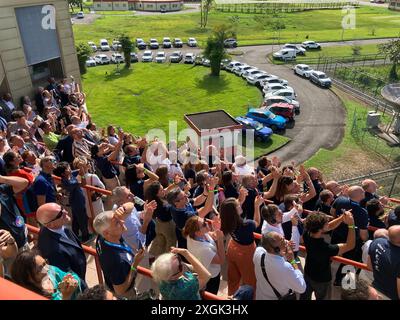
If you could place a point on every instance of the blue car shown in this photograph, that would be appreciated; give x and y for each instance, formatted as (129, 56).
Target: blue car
(261, 133)
(267, 118)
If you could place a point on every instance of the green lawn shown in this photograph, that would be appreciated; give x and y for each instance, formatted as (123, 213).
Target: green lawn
(318, 25)
(150, 95)
(357, 153)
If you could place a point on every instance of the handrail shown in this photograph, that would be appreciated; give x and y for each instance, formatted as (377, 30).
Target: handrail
(16, 292)
(394, 200)
(146, 272)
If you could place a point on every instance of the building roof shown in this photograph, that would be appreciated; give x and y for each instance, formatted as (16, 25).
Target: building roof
(218, 119)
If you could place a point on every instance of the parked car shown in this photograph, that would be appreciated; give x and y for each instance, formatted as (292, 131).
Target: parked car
(192, 42)
(147, 56)
(166, 42)
(240, 69)
(189, 58)
(140, 44)
(80, 15)
(267, 118)
(104, 46)
(321, 79)
(257, 78)
(160, 57)
(269, 100)
(251, 72)
(90, 62)
(272, 87)
(285, 54)
(232, 65)
(302, 70)
(176, 56)
(134, 57)
(163, 10)
(224, 63)
(117, 58)
(299, 49)
(288, 93)
(273, 79)
(178, 43)
(311, 45)
(230, 43)
(261, 133)
(102, 59)
(285, 110)
(199, 60)
(153, 44)
(116, 45)
(206, 63)
(92, 45)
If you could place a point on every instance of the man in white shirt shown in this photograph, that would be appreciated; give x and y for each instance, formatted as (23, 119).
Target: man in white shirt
(280, 268)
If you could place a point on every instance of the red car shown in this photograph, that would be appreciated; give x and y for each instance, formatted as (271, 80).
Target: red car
(282, 109)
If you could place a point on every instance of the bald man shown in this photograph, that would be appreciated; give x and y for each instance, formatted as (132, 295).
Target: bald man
(384, 260)
(59, 245)
(339, 235)
(370, 187)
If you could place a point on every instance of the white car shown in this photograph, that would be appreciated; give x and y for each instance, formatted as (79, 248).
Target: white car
(311, 45)
(147, 56)
(299, 50)
(189, 58)
(285, 54)
(302, 70)
(90, 62)
(160, 57)
(192, 42)
(104, 46)
(233, 65)
(257, 78)
(239, 69)
(116, 45)
(117, 58)
(92, 45)
(166, 42)
(102, 59)
(153, 44)
(251, 72)
(273, 79)
(273, 87)
(287, 93)
(80, 15)
(270, 100)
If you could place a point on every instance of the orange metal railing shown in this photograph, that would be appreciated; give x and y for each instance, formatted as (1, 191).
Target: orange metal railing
(11, 291)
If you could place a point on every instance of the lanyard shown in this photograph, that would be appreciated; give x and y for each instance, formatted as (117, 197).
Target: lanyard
(120, 246)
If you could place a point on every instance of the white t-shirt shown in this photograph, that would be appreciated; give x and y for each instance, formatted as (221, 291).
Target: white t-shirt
(366, 275)
(205, 251)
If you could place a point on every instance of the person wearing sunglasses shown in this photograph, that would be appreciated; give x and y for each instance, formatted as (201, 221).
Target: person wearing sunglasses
(58, 244)
(175, 280)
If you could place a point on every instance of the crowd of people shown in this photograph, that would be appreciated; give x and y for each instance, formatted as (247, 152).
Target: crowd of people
(190, 216)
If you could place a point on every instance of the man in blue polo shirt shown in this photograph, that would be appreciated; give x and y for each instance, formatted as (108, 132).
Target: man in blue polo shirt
(118, 261)
(339, 235)
(43, 186)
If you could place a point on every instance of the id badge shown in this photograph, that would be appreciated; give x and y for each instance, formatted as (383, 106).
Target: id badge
(19, 222)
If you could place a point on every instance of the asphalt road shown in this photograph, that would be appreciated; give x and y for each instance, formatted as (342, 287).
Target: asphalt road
(322, 118)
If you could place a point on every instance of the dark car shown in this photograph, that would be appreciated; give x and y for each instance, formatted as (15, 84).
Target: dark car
(177, 43)
(163, 10)
(140, 44)
(282, 109)
(134, 57)
(261, 133)
(321, 79)
(230, 43)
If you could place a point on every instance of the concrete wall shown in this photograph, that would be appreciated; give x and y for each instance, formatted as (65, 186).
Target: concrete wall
(12, 53)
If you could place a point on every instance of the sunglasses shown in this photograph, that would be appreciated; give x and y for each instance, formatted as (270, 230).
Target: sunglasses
(58, 216)
(180, 266)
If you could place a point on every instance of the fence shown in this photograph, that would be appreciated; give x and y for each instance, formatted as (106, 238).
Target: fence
(256, 7)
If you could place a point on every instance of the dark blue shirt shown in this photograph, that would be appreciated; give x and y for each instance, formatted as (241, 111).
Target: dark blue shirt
(10, 217)
(64, 149)
(163, 212)
(385, 259)
(180, 216)
(115, 261)
(76, 196)
(339, 235)
(44, 186)
(244, 234)
(231, 192)
(106, 168)
(368, 196)
(393, 220)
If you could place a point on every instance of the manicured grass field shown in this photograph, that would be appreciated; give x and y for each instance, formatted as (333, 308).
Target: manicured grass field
(150, 95)
(318, 25)
(356, 154)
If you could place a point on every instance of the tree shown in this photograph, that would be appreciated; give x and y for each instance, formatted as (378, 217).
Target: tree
(126, 47)
(75, 3)
(205, 7)
(83, 52)
(215, 50)
(356, 49)
(392, 50)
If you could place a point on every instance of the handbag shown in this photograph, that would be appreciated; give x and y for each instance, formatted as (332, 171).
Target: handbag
(289, 296)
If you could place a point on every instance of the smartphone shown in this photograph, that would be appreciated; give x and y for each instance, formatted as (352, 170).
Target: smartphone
(138, 201)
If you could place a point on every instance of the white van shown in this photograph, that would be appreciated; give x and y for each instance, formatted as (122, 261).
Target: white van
(285, 54)
(104, 46)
